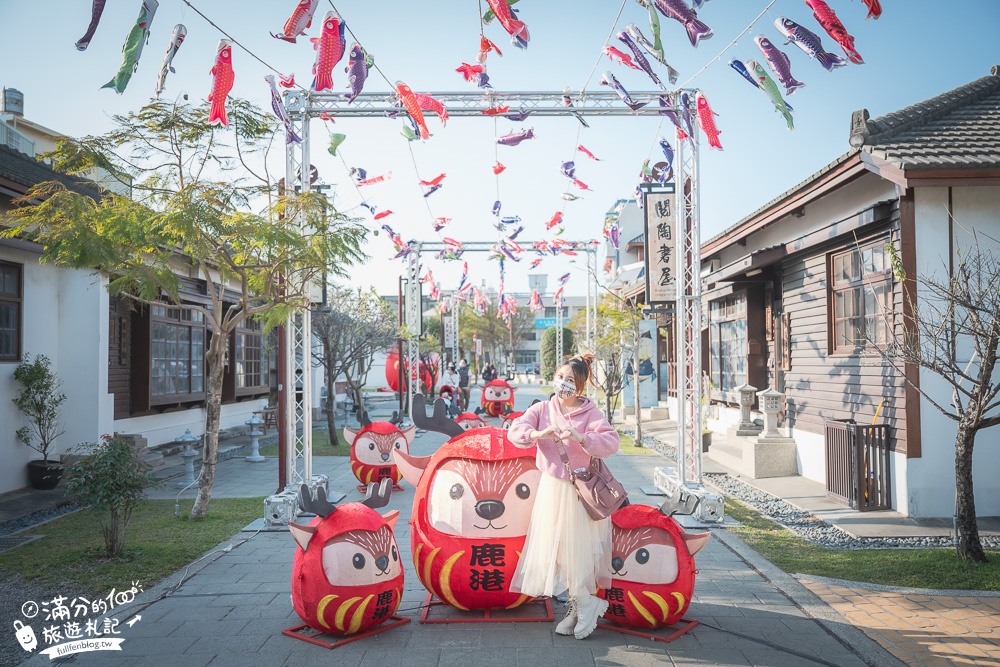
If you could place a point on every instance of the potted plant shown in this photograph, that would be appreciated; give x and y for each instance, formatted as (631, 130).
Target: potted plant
(40, 399)
(706, 433)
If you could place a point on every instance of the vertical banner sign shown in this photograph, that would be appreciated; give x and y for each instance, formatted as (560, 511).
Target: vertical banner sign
(479, 347)
(661, 232)
(643, 367)
(449, 330)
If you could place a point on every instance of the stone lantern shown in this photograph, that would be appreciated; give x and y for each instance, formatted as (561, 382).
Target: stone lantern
(254, 423)
(188, 440)
(747, 426)
(771, 404)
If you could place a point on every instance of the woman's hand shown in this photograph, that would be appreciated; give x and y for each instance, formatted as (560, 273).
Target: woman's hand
(548, 431)
(570, 433)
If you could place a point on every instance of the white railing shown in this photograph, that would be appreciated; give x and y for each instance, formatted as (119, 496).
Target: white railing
(15, 140)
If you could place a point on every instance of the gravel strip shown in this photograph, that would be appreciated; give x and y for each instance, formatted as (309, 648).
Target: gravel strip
(804, 524)
(35, 518)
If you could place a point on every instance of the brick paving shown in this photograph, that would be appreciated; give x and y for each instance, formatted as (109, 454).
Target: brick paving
(923, 628)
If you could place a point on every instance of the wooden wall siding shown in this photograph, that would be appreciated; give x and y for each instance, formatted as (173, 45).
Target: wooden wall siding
(120, 356)
(820, 386)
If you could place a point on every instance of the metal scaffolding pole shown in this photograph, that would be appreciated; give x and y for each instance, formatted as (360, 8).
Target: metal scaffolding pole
(298, 329)
(303, 105)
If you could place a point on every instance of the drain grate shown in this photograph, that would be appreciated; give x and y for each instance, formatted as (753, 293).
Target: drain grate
(13, 541)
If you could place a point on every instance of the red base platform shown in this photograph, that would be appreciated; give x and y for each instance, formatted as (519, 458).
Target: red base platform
(473, 616)
(296, 632)
(674, 630)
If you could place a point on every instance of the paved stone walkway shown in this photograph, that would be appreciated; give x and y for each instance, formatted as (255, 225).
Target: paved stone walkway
(921, 627)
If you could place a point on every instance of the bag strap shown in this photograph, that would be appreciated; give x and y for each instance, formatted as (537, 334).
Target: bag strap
(560, 446)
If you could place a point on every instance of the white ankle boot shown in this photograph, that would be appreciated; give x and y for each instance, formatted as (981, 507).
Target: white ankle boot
(567, 625)
(588, 610)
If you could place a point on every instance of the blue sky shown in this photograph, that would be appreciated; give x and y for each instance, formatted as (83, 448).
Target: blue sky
(918, 49)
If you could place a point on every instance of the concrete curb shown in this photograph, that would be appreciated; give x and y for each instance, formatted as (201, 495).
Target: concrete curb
(856, 640)
(906, 590)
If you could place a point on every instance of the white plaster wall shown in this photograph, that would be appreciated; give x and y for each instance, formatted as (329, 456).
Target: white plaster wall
(82, 329)
(40, 317)
(930, 489)
(811, 453)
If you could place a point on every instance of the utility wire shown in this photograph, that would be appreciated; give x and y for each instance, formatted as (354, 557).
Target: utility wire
(237, 42)
(728, 46)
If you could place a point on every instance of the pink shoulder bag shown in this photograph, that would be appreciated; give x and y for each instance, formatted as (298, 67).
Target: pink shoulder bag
(599, 491)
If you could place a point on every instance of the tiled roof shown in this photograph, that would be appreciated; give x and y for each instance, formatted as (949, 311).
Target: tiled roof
(959, 129)
(25, 170)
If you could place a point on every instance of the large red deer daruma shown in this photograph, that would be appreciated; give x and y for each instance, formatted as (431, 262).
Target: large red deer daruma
(372, 447)
(497, 398)
(653, 569)
(347, 573)
(471, 509)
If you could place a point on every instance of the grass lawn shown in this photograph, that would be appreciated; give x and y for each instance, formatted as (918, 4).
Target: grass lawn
(627, 446)
(321, 446)
(919, 568)
(71, 555)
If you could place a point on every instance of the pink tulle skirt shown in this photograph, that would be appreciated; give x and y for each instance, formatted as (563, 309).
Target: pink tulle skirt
(565, 549)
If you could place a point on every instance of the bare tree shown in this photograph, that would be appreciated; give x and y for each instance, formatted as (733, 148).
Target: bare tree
(954, 332)
(350, 329)
(611, 353)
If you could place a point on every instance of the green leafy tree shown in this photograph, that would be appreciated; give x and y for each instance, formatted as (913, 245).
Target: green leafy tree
(613, 346)
(203, 204)
(112, 480)
(549, 361)
(499, 338)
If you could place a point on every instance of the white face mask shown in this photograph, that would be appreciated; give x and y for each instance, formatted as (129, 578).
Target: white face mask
(563, 388)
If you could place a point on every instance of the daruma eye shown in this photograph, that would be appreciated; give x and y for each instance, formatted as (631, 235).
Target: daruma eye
(358, 561)
(394, 556)
(456, 491)
(642, 556)
(371, 446)
(523, 491)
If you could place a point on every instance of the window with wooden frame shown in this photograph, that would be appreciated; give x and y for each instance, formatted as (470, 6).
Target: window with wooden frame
(11, 284)
(860, 298)
(728, 341)
(250, 356)
(177, 355)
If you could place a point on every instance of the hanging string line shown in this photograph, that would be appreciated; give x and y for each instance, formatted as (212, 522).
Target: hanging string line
(728, 46)
(236, 41)
(350, 32)
(607, 39)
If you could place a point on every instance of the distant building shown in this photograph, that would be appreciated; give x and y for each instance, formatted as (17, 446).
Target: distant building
(32, 139)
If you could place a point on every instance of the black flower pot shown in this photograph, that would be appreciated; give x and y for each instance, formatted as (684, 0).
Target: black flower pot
(44, 476)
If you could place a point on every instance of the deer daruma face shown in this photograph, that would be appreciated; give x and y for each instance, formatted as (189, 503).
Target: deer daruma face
(483, 498)
(360, 558)
(376, 448)
(644, 555)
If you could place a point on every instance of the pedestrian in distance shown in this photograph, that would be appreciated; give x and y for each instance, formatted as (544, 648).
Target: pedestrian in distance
(451, 379)
(463, 384)
(565, 549)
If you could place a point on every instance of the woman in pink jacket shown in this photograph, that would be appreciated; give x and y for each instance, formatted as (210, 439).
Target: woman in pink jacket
(565, 549)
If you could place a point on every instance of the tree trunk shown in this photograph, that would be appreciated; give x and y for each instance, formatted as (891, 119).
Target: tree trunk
(213, 410)
(635, 381)
(331, 403)
(969, 545)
